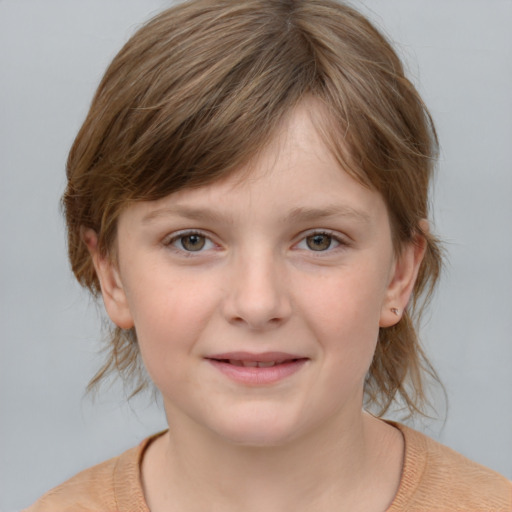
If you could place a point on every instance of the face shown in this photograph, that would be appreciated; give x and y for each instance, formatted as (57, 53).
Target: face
(257, 300)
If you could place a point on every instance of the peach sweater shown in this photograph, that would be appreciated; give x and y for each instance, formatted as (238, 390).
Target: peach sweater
(434, 478)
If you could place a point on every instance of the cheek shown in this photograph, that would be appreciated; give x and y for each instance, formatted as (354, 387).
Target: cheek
(170, 315)
(343, 312)
(170, 298)
(345, 299)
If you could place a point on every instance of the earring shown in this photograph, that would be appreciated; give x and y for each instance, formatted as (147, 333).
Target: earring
(395, 311)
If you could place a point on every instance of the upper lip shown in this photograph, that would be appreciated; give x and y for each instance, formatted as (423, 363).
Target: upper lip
(263, 357)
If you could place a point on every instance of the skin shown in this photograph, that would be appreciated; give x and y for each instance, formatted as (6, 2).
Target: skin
(297, 258)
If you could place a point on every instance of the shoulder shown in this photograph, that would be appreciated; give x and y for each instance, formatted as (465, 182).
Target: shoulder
(92, 489)
(111, 486)
(436, 477)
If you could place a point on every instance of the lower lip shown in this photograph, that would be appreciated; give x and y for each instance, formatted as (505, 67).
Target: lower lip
(256, 376)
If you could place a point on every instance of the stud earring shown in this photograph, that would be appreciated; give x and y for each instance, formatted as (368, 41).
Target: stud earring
(395, 311)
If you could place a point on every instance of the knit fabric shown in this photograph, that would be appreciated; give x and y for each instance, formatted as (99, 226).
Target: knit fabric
(434, 479)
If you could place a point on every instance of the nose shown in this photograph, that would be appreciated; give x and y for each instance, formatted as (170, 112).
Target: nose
(257, 295)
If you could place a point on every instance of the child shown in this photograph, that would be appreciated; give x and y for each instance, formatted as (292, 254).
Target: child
(249, 194)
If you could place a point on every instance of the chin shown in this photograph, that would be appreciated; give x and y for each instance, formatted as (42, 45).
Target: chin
(258, 431)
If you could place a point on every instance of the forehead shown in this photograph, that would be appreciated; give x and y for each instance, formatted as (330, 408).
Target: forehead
(295, 175)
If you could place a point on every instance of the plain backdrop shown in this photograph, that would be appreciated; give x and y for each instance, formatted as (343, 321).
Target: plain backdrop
(52, 55)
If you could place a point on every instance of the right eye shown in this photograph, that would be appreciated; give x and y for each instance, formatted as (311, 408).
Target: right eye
(190, 242)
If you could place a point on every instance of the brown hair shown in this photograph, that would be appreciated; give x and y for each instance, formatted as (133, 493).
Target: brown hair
(203, 86)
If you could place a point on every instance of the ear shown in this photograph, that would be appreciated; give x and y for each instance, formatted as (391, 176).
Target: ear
(114, 296)
(403, 277)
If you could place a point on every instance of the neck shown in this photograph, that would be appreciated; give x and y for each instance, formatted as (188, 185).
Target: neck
(190, 470)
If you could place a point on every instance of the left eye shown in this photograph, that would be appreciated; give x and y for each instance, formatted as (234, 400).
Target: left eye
(319, 242)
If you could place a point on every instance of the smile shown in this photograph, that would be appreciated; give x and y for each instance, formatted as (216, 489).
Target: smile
(257, 369)
(254, 364)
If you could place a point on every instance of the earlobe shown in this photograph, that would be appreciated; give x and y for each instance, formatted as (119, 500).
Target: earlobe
(112, 291)
(403, 278)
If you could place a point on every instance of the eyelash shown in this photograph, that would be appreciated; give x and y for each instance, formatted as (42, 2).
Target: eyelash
(333, 237)
(170, 242)
(340, 242)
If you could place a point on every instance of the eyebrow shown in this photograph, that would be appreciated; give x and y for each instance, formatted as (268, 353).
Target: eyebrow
(199, 214)
(304, 214)
(300, 214)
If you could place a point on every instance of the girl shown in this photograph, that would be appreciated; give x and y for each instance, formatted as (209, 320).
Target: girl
(249, 194)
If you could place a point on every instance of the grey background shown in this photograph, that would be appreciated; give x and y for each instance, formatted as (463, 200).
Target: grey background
(52, 55)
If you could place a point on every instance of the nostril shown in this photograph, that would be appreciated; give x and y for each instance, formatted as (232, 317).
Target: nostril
(256, 302)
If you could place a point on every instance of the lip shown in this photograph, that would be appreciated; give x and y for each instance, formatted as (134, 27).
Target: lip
(264, 357)
(288, 365)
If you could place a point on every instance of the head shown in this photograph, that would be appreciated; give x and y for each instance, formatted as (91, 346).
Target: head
(200, 91)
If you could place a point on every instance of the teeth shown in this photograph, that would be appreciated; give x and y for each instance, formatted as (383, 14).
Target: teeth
(253, 364)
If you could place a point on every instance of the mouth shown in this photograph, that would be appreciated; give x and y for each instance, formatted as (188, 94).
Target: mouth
(256, 364)
(257, 369)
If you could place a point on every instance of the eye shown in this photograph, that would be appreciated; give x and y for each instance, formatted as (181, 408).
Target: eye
(319, 242)
(190, 242)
